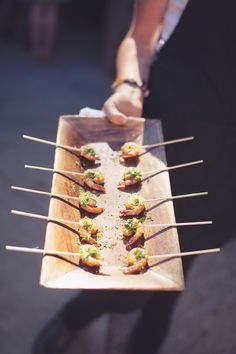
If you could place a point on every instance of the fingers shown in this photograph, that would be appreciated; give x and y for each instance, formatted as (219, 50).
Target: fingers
(114, 115)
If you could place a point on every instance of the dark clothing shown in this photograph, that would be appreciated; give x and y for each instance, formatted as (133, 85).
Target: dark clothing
(195, 74)
(192, 92)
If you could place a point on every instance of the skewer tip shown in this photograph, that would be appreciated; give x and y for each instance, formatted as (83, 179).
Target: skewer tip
(14, 187)
(208, 222)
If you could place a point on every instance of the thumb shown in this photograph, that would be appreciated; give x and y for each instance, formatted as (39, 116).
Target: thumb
(114, 115)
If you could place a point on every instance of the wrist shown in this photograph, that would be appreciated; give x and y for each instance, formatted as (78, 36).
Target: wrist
(132, 93)
(132, 83)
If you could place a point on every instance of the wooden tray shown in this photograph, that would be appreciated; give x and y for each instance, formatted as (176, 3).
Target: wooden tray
(58, 272)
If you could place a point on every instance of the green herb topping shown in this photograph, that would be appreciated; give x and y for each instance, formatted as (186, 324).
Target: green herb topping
(90, 174)
(133, 172)
(87, 224)
(139, 254)
(130, 145)
(136, 201)
(94, 253)
(86, 198)
(142, 219)
(131, 224)
(89, 151)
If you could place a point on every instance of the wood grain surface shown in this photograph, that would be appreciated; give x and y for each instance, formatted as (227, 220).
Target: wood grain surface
(64, 272)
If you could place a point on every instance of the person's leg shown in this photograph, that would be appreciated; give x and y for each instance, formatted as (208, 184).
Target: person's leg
(153, 324)
(89, 305)
(86, 307)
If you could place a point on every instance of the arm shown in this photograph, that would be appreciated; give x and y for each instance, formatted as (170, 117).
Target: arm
(134, 59)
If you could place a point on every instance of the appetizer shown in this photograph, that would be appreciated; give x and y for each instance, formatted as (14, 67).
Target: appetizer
(90, 255)
(129, 150)
(88, 153)
(88, 229)
(137, 261)
(131, 176)
(95, 180)
(134, 206)
(133, 228)
(89, 203)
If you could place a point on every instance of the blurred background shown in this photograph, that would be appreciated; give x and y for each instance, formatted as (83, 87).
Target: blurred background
(69, 67)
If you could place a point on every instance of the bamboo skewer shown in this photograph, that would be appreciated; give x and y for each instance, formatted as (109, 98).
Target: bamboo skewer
(44, 193)
(167, 142)
(170, 255)
(176, 197)
(77, 198)
(192, 223)
(82, 174)
(48, 218)
(77, 149)
(39, 250)
(53, 170)
(174, 167)
(40, 168)
(51, 143)
(43, 217)
(183, 254)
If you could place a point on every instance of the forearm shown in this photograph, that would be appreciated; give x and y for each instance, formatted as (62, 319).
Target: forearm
(138, 48)
(133, 60)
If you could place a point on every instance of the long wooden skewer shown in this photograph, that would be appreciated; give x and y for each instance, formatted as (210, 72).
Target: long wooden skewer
(167, 142)
(77, 149)
(48, 218)
(192, 223)
(176, 197)
(53, 170)
(82, 174)
(43, 217)
(51, 143)
(170, 255)
(40, 250)
(44, 193)
(183, 254)
(77, 198)
(174, 167)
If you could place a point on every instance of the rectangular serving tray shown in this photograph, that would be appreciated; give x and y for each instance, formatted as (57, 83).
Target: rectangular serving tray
(64, 272)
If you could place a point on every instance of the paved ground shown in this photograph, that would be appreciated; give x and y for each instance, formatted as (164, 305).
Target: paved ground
(32, 97)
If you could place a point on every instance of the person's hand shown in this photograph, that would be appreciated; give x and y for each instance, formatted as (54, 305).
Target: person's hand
(126, 102)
